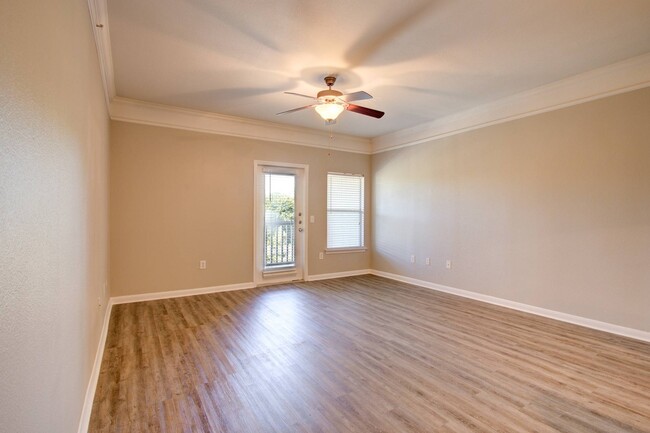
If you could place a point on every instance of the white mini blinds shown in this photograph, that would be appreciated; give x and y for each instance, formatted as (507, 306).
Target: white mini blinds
(345, 211)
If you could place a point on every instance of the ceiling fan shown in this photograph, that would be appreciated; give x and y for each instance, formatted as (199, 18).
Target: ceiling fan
(330, 103)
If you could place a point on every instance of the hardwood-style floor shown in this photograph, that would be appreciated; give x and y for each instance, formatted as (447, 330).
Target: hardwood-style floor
(362, 354)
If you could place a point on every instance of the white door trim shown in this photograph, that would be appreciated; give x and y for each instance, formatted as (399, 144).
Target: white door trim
(257, 238)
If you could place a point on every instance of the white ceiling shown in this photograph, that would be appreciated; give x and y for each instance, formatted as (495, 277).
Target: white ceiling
(421, 60)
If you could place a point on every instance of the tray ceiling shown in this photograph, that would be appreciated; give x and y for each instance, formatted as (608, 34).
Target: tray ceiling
(421, 60)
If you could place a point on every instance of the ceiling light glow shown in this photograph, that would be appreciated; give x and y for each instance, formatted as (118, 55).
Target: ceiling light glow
(329, 111)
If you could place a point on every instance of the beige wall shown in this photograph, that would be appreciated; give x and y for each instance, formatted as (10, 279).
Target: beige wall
(53, 213)
(178, 197)
(551, 210)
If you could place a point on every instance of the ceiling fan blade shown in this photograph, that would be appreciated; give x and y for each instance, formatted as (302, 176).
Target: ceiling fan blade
(356, 96)
(300, 94)
(366, 111)
(296, 109)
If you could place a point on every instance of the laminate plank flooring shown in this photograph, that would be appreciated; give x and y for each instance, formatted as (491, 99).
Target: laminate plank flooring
(362, 354)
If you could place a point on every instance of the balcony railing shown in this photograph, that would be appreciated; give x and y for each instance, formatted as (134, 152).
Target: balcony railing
(279, 243)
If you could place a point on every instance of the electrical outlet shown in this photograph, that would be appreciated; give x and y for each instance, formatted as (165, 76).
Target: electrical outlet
(448, 264)
(412, 258)
(203, 264)
(312, 219)
(427, 260)
(321, 255)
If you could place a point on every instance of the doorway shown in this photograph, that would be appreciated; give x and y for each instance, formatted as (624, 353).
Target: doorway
(280, 222)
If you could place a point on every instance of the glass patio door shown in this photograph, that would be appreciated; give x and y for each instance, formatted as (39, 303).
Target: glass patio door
(280, 223)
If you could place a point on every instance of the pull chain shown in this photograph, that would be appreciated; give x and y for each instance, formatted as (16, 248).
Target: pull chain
(331, 139)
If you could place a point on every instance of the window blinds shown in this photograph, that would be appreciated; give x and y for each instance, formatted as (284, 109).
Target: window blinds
(345, 208)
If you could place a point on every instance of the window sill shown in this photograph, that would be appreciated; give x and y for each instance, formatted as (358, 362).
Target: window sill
(345, 250)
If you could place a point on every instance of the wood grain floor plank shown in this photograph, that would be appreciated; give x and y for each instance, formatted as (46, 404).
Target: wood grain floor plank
(362, 354)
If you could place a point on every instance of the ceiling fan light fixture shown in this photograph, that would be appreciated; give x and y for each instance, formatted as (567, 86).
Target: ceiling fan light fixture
(329, 111)
(330, 103)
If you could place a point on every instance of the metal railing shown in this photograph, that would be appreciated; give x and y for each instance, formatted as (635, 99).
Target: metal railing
(279, 243)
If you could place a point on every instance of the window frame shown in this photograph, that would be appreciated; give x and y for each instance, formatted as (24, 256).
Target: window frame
(361, 211)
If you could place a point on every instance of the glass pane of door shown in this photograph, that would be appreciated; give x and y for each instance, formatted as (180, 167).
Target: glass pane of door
(279, 220)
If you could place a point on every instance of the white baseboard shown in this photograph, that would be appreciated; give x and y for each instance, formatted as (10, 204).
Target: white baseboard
(319, 277)
(94, 375)
(563, 317)
(87, 408)
(180, 293)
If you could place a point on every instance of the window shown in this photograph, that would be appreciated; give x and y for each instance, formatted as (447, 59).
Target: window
(279, 220)
(344, 211)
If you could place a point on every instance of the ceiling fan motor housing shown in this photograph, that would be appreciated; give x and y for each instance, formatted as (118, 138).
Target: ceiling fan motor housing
(328, 95)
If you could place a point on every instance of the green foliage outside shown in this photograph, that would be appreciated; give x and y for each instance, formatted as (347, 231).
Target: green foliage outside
(279, 240)
(282, 206)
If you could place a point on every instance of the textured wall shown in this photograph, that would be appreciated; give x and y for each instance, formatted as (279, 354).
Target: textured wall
(551, 210)
(178, 197)
(53, 212)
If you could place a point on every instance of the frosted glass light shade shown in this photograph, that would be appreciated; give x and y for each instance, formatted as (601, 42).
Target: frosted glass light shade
(329, 111)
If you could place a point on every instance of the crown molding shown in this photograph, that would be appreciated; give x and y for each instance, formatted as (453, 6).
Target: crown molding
(99, 19)
(625, 76)
(130, 110)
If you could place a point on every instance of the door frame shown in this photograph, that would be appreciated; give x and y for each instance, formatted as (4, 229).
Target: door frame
(258, 242)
